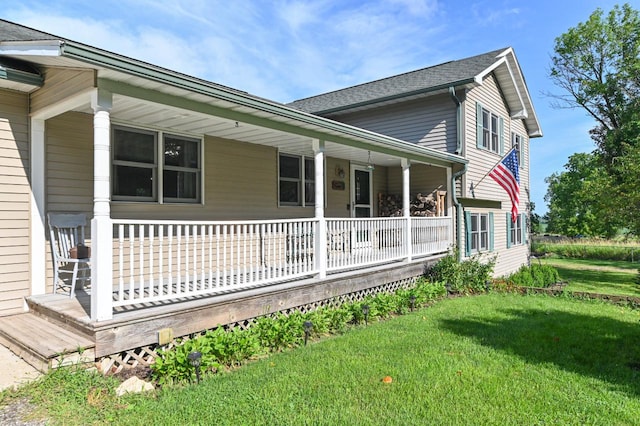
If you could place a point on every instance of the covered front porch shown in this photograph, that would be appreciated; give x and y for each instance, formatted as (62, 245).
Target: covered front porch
(233, 213)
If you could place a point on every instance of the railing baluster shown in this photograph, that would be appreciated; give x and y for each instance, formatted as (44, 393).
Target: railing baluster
(121, 262)
(170, 254)
(151, 263)
(160, 260)
(131, 262)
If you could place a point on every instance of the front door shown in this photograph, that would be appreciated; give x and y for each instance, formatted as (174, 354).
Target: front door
(361, 206)
(361, 191)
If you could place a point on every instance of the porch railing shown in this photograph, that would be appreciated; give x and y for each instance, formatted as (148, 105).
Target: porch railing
(162, 260)
(431, 235)
(354, 243)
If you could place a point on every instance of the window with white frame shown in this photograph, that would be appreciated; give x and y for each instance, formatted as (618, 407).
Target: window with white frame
(155, 166)
(489, 128)
(516, 231)
(517, 141)
(479, 232)
(296, 185)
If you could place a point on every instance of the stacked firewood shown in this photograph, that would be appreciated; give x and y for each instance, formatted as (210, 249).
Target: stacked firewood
(390, 205)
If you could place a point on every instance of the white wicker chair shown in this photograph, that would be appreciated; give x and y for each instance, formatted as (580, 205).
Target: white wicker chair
(70, 256)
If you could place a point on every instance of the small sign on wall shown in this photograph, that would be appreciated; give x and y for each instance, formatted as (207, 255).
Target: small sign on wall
(337, 185)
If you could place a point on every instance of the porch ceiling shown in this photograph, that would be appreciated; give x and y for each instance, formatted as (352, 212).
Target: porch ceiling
(142, 113)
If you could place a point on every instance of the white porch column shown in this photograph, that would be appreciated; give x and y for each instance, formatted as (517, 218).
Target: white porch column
(101, 227)
(38, 241)
(406, 211)
(321, 236)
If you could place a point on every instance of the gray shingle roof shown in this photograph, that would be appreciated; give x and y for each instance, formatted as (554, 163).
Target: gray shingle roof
(15, 32)
(423, 80)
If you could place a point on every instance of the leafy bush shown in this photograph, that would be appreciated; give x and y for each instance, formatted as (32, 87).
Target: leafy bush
(534, 276)
(467, 276)
(172, 365)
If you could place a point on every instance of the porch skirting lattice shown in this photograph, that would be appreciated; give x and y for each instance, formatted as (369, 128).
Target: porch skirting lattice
(145, 355)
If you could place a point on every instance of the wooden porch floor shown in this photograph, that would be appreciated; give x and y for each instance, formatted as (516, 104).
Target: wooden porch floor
(57, 324)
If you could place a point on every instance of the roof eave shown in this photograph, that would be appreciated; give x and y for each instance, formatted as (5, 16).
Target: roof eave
(32, 48)
(99, 57)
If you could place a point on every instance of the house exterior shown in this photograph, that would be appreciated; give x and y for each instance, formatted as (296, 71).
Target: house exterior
(205, 202)
(478, 108)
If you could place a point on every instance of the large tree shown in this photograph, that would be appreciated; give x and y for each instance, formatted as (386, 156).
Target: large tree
(597, 64)
(578, 199)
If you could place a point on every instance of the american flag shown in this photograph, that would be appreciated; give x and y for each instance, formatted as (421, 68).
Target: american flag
(506, 174)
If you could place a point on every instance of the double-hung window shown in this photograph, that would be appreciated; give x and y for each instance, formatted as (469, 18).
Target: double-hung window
(489, 130)
(155, 166)
(516, 231)
(296, 185)
(479, 232)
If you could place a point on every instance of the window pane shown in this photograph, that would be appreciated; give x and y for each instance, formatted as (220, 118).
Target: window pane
(362, 192)
(182, 185)
(133, 181)
(133, 146)
(309, 169)
(289, 192)
(484, 240)
(309, 193)
(484, 219)
(181, 152)
(289, 167)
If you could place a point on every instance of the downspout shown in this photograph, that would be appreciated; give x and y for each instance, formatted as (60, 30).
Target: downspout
(454, 197)
(452, 92)
(458, 207)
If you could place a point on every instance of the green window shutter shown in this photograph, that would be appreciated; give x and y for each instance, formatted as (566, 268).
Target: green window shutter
(491, 231)
(525, 228)
(508, 230)
(467, 233)
(501, 134)
(478, 125)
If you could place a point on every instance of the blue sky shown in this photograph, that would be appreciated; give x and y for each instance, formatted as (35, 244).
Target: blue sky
(285, 49)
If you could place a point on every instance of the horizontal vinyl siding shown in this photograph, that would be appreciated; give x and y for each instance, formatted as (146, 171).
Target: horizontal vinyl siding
(480, 163)
(337, 199)
(14, 202)
(430, 122)
(70, 163)
(60, 84)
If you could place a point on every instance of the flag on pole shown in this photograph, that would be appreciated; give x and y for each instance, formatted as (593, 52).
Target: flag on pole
(506, 174)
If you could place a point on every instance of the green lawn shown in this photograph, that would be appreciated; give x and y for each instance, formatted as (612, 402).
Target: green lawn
(597, 276)
(498, 359)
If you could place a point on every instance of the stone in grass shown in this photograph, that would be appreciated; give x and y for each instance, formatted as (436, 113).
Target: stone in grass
(134, 385)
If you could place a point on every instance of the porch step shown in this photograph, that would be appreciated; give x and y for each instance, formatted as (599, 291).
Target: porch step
(43, 344)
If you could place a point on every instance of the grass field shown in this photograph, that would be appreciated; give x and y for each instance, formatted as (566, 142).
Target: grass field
(597, 276)
(496, 359)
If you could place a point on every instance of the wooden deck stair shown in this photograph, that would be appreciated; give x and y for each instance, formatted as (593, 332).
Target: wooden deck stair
(45, 344)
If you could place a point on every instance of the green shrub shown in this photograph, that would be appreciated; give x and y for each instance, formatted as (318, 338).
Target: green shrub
(534, 276)
(172, 365)
(467, 276)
